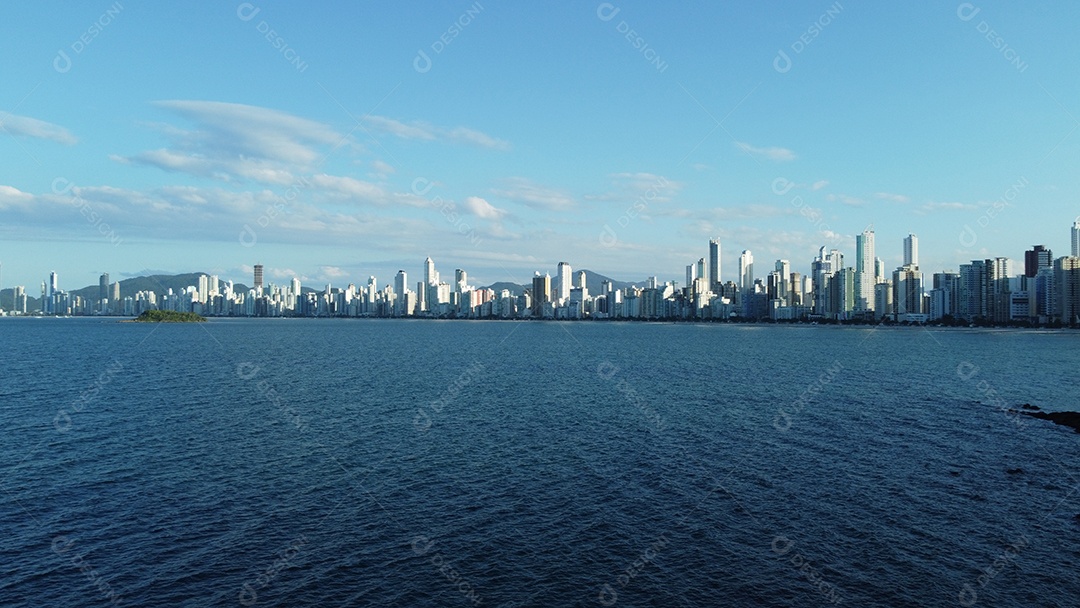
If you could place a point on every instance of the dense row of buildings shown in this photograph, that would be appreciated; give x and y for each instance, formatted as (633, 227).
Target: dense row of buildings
(983, 291)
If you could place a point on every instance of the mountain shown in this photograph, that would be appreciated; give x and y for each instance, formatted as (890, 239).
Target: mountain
(161, 283)
(593, 281)
(158, 283)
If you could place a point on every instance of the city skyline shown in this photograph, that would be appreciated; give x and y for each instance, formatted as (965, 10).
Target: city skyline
(863, 260)
(991, 290)
(351, 146)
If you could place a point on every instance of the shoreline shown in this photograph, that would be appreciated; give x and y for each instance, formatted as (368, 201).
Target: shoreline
(836, 324)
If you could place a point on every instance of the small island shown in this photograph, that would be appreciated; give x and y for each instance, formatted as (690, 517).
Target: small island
(168, 316)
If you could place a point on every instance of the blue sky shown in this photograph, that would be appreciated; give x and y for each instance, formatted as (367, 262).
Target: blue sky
(615, 136)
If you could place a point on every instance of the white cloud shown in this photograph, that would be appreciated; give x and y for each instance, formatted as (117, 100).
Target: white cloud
(13, 197)
(818, 185)
(231, 142)
(359, 191)
(483, 209)
(31, 127)
(851, 201)
(522, 190)
(382, 169)
(774, 154)
(888, 196)
(333, 272)
(426, 132)
(932, 207)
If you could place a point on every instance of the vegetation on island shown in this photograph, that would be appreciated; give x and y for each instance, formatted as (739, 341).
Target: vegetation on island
(169, 316)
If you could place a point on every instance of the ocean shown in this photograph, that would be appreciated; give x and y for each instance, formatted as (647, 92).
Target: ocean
(307, 462)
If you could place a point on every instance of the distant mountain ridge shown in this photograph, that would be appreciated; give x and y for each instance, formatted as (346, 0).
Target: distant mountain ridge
(593, 281)
(162, 283)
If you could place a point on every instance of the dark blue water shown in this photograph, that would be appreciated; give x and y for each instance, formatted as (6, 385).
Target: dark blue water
(423, 463)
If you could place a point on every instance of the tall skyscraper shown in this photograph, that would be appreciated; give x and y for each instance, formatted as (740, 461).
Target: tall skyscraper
(541, 293)
(1067, 287)
(691, 275)
(997, 295)
(907, 292)
(714, 265)
(430, 276)
(746, 271)
(911, 250)
(204, 287)
(865, 270)
(565, 282)
(1035, 258)
(258, 277)
(971, 303)
(401, 282)
(582, 280)
(54, 284)
(103, 287)
(1076, 239)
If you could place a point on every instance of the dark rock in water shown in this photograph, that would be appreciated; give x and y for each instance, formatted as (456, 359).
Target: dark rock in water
(1069, 419)
(1015, 471)
(1028, 406)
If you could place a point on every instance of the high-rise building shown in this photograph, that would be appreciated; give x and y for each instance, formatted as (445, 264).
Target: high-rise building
(54, 284)
(907, 292)
(19, 304)
(1076, 239)
(1067, 285)
(564, 282)
(581, 280)
(541, 293)
(746, 271)
(1035, 258)
(258, 278)
(714, 266)
(401, 282)
(461, 280)
(691, 275)
(997, 290)
(103, 288)
(430, 276)
(865, 270)
(204, 287)
(911, 250)
(971, 303)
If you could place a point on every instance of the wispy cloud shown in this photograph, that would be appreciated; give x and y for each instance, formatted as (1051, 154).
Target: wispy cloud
(25, 126)
(231, 141)
(426, 132)
(773, 153)
(629, 187)
(522, 190)
(851, 201)
(893, 198)
(359, 191)
(932, 207)
(483, 209)
(818, 185)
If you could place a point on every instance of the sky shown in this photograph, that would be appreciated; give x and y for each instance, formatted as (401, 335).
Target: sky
(334, 141)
